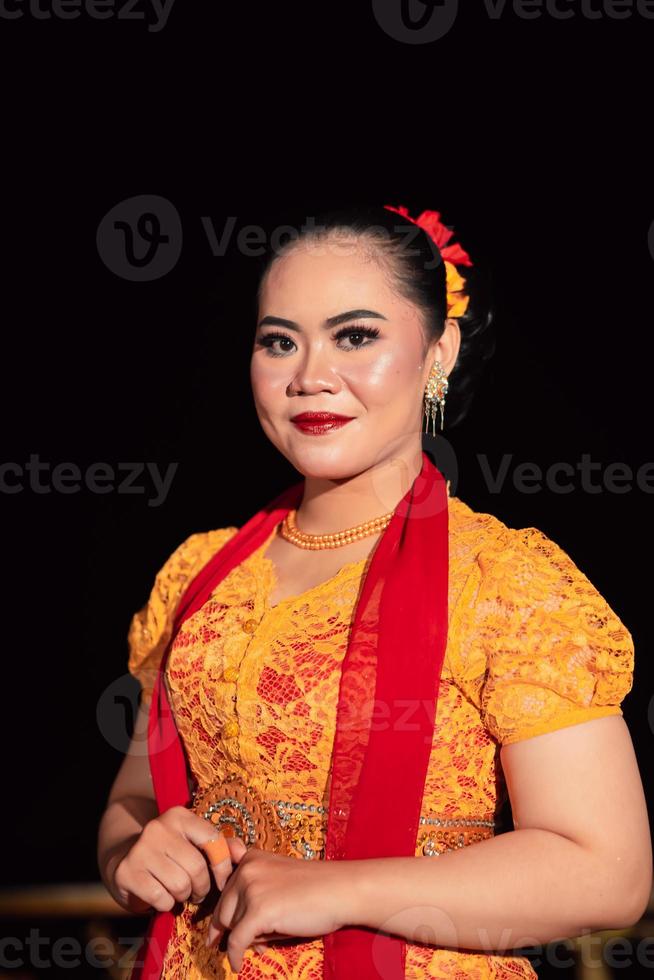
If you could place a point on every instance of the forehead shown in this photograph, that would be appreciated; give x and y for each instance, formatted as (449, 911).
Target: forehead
(327, 277)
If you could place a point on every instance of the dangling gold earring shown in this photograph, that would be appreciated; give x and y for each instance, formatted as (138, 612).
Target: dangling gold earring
(435, 391)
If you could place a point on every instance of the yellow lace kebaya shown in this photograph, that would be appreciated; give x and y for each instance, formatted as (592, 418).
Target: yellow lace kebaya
(532, 647)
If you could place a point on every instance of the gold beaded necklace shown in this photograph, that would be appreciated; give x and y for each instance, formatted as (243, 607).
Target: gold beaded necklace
(317, 542)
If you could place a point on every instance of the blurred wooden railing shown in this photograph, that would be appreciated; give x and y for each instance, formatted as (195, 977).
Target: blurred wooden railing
(97, 914)
(58, 901)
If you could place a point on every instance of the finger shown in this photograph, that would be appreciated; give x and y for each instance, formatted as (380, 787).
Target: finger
(167, 882)
(239, 925)
(222, 850)
(220, 858)
(224, 915)
(237, 847)
(259, 948)
(146, 888)
(199, 830)
(241, 936)
(189, 858)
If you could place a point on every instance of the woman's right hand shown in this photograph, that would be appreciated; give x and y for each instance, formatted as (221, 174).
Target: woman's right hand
(166, 864)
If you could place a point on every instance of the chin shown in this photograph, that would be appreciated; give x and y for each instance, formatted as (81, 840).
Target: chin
(327, 462)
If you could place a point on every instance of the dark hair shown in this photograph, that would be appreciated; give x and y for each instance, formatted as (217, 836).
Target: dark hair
(416, 270)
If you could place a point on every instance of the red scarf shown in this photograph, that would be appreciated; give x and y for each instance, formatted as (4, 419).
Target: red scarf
(385, 713)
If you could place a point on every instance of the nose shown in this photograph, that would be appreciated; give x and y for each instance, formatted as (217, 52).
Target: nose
(313, 374)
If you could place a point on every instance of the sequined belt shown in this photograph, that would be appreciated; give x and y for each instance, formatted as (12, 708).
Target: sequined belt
(299, 829)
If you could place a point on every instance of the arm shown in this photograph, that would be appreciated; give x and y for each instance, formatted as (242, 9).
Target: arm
(130, 805)
(150, 861)
(580, 857)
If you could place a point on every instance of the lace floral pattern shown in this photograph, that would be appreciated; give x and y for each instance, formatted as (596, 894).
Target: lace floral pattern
(532, 647)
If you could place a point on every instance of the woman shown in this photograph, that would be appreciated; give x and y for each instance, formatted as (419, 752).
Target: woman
(301, 853)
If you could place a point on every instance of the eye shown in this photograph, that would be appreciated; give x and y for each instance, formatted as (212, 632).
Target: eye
(361, 331)
(268, 339)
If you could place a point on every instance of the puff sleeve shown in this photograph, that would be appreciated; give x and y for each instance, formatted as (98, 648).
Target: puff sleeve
(151, 626)
(556, 653)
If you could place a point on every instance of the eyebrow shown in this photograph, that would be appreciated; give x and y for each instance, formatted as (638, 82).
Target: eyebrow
(332, 321)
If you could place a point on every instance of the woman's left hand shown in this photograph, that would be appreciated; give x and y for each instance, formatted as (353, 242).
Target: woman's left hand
(272, 896)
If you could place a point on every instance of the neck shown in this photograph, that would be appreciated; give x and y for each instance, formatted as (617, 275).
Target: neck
(334, 505)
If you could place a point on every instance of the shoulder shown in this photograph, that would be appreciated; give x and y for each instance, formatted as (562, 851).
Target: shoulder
(186, 560)
(195, 551)
(537, 640)
(472, 528)
(519, 560)
(523, 569)
(481, 543)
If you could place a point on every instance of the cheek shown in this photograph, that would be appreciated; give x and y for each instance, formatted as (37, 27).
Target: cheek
(382, 378)
(267, 383)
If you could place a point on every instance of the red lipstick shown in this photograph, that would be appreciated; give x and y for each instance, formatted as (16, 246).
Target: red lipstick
(316, 423)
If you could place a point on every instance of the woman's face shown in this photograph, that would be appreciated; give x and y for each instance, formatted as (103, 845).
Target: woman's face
(309, 364)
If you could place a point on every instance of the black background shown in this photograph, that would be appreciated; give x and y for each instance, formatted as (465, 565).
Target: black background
(528, 135)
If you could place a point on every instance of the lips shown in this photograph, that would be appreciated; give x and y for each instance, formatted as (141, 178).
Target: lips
(318, 422)
(320, 417)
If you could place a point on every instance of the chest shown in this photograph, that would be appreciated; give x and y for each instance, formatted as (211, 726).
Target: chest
(294, 571)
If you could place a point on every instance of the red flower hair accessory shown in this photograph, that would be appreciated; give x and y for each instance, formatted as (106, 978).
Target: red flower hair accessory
(452, 255)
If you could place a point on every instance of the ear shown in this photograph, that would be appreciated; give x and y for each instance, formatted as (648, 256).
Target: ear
(446, 348)
(450, 344)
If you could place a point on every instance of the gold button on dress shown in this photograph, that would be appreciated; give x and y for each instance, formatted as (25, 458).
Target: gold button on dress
(230, 729)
